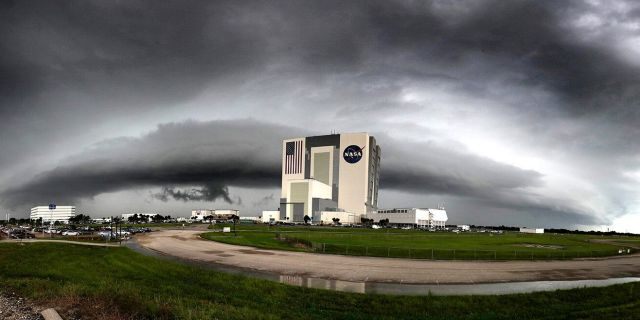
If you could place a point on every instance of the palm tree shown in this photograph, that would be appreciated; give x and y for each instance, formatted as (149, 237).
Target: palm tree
(235, 219)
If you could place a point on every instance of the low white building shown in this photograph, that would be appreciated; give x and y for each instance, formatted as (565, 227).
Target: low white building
(347, 218)
(148, 215)
(464, 227)
(531, 230)
(250, 219)
(270, 216)
(200, 214)
(60, 213)
(225, 213)
(417, 217)
(101, 220)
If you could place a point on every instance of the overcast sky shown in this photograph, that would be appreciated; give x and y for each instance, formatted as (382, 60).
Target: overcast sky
(507, 112)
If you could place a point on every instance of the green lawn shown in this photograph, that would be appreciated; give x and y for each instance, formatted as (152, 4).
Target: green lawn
(117, 283)
(418, 244)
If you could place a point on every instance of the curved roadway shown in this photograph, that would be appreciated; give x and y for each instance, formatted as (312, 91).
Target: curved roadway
(186, 244)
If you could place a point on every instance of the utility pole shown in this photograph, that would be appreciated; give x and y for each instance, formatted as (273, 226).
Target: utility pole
(52, 207)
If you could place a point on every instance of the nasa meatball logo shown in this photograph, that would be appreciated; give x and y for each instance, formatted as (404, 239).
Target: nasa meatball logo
(352, 154)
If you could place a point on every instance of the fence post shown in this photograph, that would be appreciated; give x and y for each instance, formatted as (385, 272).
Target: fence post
(388, 252)
(495, 255)
(432, 254)
(347, 249)
(409, 253)
(366, 251)
(323, 245)
(454, 254)
(475, 254)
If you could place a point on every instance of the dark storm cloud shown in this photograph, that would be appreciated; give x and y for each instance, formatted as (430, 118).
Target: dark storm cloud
(139, 49)
(141, 55)
(205, 193)
(134, 55)
(530, 38)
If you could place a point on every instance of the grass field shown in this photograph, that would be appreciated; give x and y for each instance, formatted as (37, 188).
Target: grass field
(117, 283)
(419, 244)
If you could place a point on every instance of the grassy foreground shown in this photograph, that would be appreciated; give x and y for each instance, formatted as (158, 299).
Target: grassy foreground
(419, 244)
(117, 283)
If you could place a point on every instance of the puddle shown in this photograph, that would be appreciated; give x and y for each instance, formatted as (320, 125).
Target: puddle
(252, 251)
(395, 288)
(539, 246)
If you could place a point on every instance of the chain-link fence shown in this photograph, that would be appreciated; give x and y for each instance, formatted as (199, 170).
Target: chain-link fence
(448, 254)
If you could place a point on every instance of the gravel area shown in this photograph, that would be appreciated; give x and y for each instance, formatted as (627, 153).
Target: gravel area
(13, 307)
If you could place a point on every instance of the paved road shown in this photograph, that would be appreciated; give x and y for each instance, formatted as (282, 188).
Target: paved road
(186, 244)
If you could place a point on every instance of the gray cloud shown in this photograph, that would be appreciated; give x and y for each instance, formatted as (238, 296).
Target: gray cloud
(264, 201)
(205, 193)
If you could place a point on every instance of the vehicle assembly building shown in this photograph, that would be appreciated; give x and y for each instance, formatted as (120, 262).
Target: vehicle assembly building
(336, 173)
(334, 179)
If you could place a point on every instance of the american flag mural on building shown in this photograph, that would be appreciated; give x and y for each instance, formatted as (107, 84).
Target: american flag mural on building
(294, 156)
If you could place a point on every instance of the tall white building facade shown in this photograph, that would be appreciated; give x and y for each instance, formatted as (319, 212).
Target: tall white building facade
(337, 172)
(60, 213)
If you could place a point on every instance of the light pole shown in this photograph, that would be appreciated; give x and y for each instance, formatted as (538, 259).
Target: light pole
(52, 206)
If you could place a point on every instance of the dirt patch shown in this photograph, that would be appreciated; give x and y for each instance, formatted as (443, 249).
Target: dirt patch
(264, 253)
(539, 246)
(213, 251)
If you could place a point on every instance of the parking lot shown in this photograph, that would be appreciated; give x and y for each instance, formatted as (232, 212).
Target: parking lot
(83, 233)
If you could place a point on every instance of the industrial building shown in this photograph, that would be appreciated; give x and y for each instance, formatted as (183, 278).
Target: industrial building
(218, 214)
(423, 218)
(270, 216)
(337, 173)
(531, 230)
(149, 215)
(60, 213)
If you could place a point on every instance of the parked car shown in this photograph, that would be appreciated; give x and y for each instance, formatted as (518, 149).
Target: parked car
(70, 233)
(105, 234)
(21, 234)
